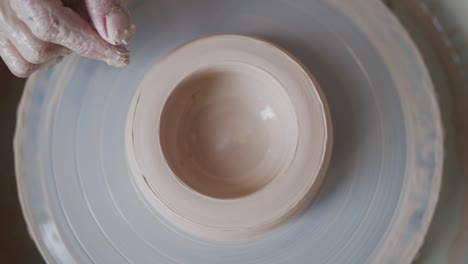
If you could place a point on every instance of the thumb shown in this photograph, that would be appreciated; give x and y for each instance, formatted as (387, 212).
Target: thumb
(111, 20)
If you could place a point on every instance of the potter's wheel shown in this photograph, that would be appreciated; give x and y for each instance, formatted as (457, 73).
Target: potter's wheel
(376, 200)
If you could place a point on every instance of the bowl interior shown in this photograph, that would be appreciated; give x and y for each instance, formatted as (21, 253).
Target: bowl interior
(228, 130)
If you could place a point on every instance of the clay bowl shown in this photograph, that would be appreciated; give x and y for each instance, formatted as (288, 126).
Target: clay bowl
(229, 137)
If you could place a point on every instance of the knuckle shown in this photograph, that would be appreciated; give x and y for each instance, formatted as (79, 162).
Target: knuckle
(46, 27)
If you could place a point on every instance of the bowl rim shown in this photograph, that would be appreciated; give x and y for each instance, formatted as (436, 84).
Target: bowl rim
(228, 209)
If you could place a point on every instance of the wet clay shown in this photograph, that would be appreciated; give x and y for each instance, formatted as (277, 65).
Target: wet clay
(228, 130)
(244, 137)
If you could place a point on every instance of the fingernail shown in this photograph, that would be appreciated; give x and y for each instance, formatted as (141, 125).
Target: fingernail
(119, 27)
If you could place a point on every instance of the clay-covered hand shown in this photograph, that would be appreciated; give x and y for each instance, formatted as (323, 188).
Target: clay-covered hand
(35, 34)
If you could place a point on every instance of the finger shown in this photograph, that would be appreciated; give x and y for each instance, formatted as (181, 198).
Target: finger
(111, 20)
(50, 21)
(14, 61)
(36, 51)
(31, 48)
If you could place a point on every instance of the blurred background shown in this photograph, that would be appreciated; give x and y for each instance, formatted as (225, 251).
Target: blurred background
(15, 244)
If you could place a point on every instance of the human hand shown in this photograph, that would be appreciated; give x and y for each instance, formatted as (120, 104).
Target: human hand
(36, 34)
